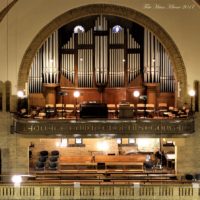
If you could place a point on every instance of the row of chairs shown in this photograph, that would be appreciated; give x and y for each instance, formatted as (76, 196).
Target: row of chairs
(140, 109)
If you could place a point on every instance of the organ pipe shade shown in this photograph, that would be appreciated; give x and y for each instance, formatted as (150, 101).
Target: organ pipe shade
(157, 65)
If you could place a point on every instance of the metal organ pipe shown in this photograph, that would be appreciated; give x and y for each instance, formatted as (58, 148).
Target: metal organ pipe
(133, 58)
(157, 65)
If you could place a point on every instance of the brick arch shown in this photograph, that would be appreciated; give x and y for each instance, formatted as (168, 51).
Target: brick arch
(107, 9)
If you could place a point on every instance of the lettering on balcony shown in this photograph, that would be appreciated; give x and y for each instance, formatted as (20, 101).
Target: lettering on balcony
(92, 128)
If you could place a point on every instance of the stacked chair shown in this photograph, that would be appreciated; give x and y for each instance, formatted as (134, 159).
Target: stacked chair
(41, 163)
(47, 161)
(53, 160)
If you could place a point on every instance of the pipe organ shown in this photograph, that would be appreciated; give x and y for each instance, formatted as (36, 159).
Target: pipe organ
(44, 67)
(99, 57)
(67, 61)
(50, 59)
(85, 68)
(101, 52)
(157, 64)
(35, 74)
(116, 74)
(133, 59)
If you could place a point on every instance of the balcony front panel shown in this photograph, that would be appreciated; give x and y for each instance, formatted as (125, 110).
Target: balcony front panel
(90, 128)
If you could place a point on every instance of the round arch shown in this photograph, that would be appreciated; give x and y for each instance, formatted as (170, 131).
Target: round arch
(127, 13)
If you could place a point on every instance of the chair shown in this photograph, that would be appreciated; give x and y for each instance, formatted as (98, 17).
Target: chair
(197, 177)
(42, 159)
(132, 107)
(189, 177)
(125, 111)
(53, 159)
(111, 110)
(41, 115)
(148, 165)
(162, 108)
(150, 110)
(55, 153)
(40, 165)
(69, 109)
(53, 166)
(60, 109)
(50, 110)
(44, 153)
(141, 109)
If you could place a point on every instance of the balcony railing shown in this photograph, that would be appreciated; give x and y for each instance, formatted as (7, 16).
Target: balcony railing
(87, 128)
(105, 191)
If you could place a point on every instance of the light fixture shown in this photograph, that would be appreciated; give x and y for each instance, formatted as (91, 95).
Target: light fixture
(116, 29)
(131, 140)
(17, 179)
(192, 94)
(136, 93)
(119, 140)
(20, 94)
(102, 146)
(79, 29)
(78, 140)
(61, 143)
(76, 94)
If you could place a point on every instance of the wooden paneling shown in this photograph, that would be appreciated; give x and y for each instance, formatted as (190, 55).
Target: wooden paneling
(166, 98)
(36, 100)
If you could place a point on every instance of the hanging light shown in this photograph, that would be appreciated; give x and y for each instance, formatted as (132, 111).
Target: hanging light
(116, 29)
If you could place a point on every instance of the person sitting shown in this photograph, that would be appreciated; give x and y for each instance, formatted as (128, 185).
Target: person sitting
(148, 164)
(160, 158)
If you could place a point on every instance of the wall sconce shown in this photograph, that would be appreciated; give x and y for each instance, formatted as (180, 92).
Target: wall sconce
(62, 143)
(20, 94)
(191, 94)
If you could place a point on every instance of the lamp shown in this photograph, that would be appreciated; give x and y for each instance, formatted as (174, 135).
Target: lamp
(76, 96)
(136, 93)
(20, 94)
(62, 94)
(191, 94)
(17, 179)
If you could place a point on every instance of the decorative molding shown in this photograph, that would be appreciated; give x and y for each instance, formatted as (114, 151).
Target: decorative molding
(107, 9)
(6, 9)
(198, 2)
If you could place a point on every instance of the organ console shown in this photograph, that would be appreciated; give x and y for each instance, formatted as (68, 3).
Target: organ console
(93, 110)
